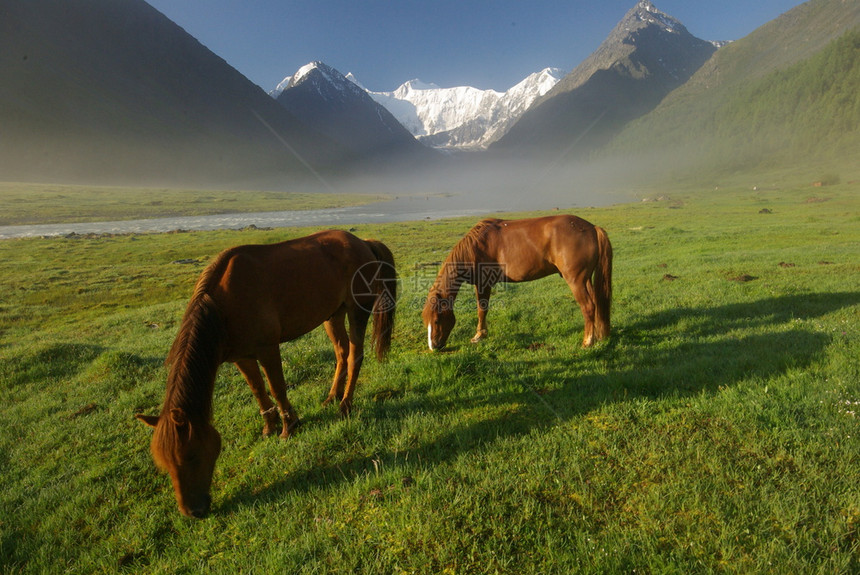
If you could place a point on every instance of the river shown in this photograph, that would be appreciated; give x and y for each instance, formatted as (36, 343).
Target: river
(407, 208)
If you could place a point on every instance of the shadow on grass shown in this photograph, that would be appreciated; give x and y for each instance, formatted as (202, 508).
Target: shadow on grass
(706, 350)
(767, 312)
(55, 362)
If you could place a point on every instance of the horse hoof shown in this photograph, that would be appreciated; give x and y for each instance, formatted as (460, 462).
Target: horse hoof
(291, 429)
(331, 398)
(272, 421)
(480, 336)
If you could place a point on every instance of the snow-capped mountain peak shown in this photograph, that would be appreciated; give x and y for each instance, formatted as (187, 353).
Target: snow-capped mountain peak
(327, 77)
(537, 84)
(351, 77)
(343, 111)
(328, 82)
(462, 117)
(305, 70)
(416, 85)
(282, 85)
(459, 117)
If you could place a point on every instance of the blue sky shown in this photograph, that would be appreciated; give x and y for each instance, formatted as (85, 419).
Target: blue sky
(447, 42)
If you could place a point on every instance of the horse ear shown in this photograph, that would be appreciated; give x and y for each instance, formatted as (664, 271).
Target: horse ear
(178, 417)
(150, 420)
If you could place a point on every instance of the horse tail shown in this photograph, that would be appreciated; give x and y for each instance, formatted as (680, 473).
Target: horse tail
(385, 288)
(602, 284)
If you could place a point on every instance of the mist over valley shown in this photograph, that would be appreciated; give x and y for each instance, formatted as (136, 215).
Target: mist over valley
(652, 106)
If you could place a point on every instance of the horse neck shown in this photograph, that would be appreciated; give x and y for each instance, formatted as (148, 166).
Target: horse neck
(449, 280)
(460, 265)
(190, 387)
(194, 358)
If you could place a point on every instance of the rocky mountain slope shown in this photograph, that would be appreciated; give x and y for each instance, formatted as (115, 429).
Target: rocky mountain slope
(100, 91)
(787, 94)
(646, 56)
(344, 112)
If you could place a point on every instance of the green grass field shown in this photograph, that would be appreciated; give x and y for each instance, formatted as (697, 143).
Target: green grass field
(47, 203)
(718, 431)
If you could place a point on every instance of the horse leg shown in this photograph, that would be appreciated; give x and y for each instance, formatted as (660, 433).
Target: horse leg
(335, 327)
(483, 297)
(357, 328)
(580, 285)
(270, 359)
(251, 372)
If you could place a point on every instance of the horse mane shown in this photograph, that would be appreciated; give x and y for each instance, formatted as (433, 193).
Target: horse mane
(465, 251)
(460, 261)
(196, 351)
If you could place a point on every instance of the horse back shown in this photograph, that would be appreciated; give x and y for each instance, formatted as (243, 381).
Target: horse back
(281, 291)
(531, 248)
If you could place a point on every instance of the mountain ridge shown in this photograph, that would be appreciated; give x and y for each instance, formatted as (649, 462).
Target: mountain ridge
(499, 111)
(716, 120)
(130, 99)
(458, 118)
(345, 112)
(111, 92)
(646, 55)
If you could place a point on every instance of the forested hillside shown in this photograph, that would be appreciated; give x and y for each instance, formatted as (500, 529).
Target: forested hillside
(810, 110)
(753, 108)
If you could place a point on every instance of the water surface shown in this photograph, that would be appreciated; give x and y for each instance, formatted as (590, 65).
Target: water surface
(407, 208)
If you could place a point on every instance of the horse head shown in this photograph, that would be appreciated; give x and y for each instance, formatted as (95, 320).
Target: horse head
(187, 451)
(439, 320)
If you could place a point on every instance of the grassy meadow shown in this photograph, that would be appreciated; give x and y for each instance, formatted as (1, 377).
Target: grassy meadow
(53, 203)
(717, 431)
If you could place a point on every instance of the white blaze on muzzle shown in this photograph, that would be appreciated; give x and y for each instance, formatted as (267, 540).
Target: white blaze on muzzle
(430, 336)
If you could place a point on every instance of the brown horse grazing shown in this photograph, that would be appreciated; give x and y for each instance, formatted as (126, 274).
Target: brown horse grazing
(523, 250)
(248, 301)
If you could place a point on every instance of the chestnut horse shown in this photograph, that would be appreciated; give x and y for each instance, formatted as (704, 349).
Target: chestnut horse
(247, 301)
(523, 250)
